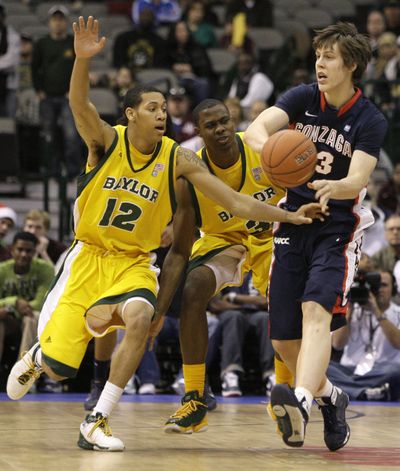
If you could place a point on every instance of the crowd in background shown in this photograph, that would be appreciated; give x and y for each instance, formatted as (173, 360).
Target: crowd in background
(177, 43)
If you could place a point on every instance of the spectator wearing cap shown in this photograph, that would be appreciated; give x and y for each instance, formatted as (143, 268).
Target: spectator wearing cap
(24, 281)
(179, 110)
(8, 220)
(52, 62)
(165, 11)
(9, 59)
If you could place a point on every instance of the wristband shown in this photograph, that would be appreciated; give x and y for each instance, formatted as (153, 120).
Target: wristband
(232, 296)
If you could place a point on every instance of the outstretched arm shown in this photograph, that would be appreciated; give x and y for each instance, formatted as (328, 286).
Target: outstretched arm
(184, 225)
(243, 206)
(97, 134)
(268, 122)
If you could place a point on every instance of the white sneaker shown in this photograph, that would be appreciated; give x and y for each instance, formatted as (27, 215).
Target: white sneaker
(23, 374)
(95, 434)
(230, 385)
(179, 386)
(147, 389)
(131, 387)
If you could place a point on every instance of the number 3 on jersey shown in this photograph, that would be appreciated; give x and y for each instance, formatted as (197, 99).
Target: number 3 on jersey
(127, 214)
(324, 165)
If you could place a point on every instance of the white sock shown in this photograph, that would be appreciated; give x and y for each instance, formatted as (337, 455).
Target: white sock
(108, 399)
(304, 394)
(37, 355)
(326, 390)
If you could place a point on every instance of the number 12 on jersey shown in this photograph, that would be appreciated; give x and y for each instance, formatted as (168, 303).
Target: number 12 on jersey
(128, 213)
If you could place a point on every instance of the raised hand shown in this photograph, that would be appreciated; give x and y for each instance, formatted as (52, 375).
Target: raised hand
(86, 41)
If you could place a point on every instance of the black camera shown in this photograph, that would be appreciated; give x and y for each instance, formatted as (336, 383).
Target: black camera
(363, 284)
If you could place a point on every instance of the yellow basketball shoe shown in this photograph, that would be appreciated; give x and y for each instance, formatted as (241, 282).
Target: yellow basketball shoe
(190, 417)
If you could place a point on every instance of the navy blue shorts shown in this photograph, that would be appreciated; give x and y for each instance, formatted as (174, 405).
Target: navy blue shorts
(315, 262)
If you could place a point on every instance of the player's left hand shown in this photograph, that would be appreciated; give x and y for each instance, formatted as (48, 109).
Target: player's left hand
(323, 189)
(155, 329)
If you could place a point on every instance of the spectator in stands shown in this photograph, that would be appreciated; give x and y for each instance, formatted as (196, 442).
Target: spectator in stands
(124, 80)
(25, 63)
(256, 108)
(377, 71)
(374, 236)
(389, 195)
(202, 31)
(258, 13)
(375, 27)
(24, 281)
(369, 368)
(165, 11)
(238, 42)
(8, 220)
(140, 47)
(53, 58)
(190, 62)
(391, 11)
(241, 311)
(387, 259)
(179, 110)
(37, 222)
(247, 83)
(9, 59)
(236, 112)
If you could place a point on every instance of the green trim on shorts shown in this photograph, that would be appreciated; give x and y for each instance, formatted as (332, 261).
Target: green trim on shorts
(119, 298)
(60, 368)
(202, 259)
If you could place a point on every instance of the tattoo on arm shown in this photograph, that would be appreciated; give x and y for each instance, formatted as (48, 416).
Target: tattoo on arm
(191, 157)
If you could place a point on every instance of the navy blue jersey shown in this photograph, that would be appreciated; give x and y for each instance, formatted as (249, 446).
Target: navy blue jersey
(357, 125)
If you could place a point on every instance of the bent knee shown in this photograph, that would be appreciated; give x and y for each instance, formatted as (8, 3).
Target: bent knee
(314, 313)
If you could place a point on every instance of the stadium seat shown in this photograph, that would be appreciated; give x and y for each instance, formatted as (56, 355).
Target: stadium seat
(221, 59)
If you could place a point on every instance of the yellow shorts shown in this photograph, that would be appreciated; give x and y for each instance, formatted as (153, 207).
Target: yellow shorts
(232, 255)
(83, 298)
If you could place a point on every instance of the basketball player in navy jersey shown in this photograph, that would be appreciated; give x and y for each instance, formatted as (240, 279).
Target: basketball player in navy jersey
(313, 266)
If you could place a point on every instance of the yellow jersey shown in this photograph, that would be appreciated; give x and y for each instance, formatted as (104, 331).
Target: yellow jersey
(214, 219)
(126, 200)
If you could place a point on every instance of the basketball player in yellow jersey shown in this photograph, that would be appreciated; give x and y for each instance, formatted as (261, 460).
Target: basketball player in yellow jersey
(228, 248)
(125, 199)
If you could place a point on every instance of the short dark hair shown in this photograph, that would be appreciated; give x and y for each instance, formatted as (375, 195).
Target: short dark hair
(28, 236)
(133, 98)
(205, 105)
(354, 47)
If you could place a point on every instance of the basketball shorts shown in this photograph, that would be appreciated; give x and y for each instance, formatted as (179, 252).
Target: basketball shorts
(231, 255)
(83, 299)
(315, 262)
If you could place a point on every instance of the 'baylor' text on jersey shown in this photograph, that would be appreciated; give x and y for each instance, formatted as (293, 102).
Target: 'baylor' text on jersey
(214, 219)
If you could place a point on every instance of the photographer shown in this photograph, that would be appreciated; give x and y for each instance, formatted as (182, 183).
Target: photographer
(369, 367)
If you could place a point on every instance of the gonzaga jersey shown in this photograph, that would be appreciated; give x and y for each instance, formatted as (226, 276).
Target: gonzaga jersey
(214, 219)
(336, 133)
(123, 206)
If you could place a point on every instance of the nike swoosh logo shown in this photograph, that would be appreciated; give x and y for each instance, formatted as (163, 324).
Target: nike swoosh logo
(312, 115)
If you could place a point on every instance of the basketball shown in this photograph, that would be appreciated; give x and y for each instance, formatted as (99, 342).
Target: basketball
(289, 158)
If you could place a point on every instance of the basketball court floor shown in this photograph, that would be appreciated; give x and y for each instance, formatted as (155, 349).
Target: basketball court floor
(40, 433)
